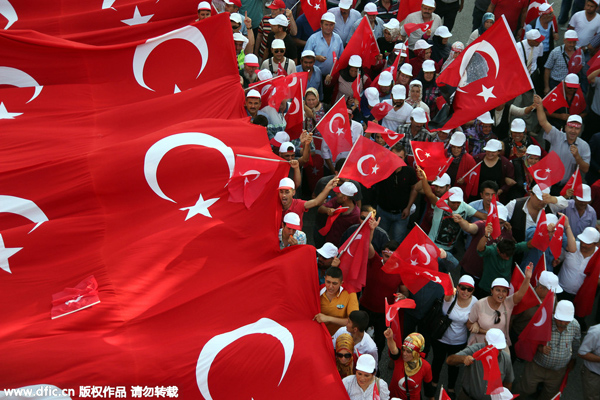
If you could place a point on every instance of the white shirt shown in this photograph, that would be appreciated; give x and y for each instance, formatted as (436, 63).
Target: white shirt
(571, 275)
(394, 118)
(356, 130)
(457, 331)
(585, 29)
(365, 346)
(561, 204)
(355, 392)
(537, 52)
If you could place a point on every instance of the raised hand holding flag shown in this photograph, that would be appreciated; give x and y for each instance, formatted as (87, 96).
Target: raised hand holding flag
(541, 238)
(574, 183)
(556, 243)
(390, 137)
(493, 218)
(555, 99)
(335, 129)
(548, 171)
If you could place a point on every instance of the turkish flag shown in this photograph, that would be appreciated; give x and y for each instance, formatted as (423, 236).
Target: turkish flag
(430, 156)
(538, 331)
(541, 237)
(472, 180)
(533, 12)
(335, 129)
(493, 218)
(441, 203)
(530, 299)
(279, 92)
(444, 395)
(359, 167)
(594, 63)
(250, 177)
(491, 370)
(71, 300)
(416, 249)
(537, 271)
(295, 115)
(390, 137)
(416, 277)
(280, 70)
(407, 7)
(356, 87)
(265, 88)
(584, 300)
(391, 311)
(331, 219)
(442, 170)
(381, 110)
(354, 256)
(412, 27)
(362, 43)
(548, 171)
(576, 61)
(494, 52)
(578, 105)
(574, 183)
(555, 99)
(314, 10)
(556, 242)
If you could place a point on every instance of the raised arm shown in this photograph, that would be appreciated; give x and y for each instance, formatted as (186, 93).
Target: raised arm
(320, 199)
(483, 241)
(519, 294)
(543, 121)
(425, 185)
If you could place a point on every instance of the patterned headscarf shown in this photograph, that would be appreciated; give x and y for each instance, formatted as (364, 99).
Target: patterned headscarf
(344, 341)
(416, 343)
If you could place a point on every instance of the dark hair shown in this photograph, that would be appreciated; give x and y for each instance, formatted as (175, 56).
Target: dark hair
(507, 247)
(360, 320)
(392, 245)
(398, 147)
(366, 208)
(260, 120)
(334, 272)
(339, 164)
(488, 185)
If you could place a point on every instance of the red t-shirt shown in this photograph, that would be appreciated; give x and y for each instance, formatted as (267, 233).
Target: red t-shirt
(511, 10)
(296, 207)
(415, 382)
(379, 285)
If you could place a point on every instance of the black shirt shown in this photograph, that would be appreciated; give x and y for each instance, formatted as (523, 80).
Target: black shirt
(393, 193)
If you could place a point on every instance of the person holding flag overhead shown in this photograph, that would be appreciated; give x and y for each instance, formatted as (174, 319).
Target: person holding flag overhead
(581, 215)
(426, 14)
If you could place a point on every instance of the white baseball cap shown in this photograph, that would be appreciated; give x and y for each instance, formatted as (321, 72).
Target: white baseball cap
(392, 24)
(371, 9)
(286, 183)
(355, 61)
(534, 150)
(264, 74)
(550, 280)
(366, 363)
(280, 138)
(493, 145)
(589, 235)
(534, 34)
(398, 92)
(280, 20)
(500, 282)
(496, 338)
(372, 95)
(502, 212)
(575, 118)
(518, 125)
(551, 219)
(539, 192)
(442, 181)
(406, 69)
(292, 220)
(278, 44)
(238, 37)
(253, 93)
(345, 4)
(565, 311)
(418, 115)
(458, 139)
(329, 17)
(308, 53)
(429, 3)
(204, 5)
(442, 31)
(285, 147)
(466, 280)
(347, 189)
(235, 17)
(571, 35)
(486, 118)
(456, 194)
(428, 66)
(251, 60)
(328, 250)
(422, 45)
(400, 49)
(572, 81)
(587, 193)
(545, 7)
(385, 78)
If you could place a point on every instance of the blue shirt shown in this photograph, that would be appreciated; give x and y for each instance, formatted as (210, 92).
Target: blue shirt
(314, 81)
(318, 44)
(577, 223)
(344, 28)
(304, 28)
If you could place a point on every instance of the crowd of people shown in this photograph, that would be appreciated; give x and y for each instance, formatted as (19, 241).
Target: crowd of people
(505, 142)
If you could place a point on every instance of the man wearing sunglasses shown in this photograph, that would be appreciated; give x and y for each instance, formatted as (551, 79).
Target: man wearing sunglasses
(279, 32)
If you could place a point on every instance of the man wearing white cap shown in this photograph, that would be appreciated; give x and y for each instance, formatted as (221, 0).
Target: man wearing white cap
(581, 215)
(572, 272)
(248, 72)
(279, 64)
(556, 67)
(529, 49)
(324, 43)
(287, 190)
(586, 23)
(240, 41)
(384, 85)
(277, 7)
(290, 233)
(376, 23)
(524, 180)
(344, 198)
(474, 385)
(572, 150)
(401, 111)
(361, 385)
(233, 7)
(590, 372)
(327, 256)
(575, 104)
(345, 17)
(439, 187)
(307, 64)
(204, 10)
(515, 145)
(279, 26)
(415, 130)
(418, 17)
(252, 103)
(552, 361)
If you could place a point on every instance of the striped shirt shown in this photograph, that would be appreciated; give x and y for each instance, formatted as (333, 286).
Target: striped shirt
(564, 346)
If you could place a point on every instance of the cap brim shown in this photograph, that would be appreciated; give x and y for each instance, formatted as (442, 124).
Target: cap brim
(540, 39)
(466, 284)
(296, 227)
(274, 142)
(285, 187)
(372, 13)
(337, 189)
(572, 85)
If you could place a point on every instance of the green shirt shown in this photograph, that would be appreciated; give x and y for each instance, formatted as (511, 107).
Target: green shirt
(495, 266)
(255, 11)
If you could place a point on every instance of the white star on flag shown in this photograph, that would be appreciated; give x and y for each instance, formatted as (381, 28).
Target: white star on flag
(317, 6)
(427, 155)
(201, 207)
(548, 170)
(315, 171)
(375, 168)
(4, 114)
(5, 254)
(486, 93)
(137, 19)
(340, 131)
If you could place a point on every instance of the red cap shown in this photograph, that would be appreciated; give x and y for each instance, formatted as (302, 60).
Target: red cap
(234, 2)
(276, 4)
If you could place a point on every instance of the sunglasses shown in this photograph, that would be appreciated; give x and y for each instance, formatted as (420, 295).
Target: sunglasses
(340, 355)
(467, 288)
(497, 318)
(235, 26)
(279, 51)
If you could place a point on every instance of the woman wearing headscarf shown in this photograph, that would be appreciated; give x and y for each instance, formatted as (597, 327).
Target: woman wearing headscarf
(431, 91)
(314, 110)
(440, 50)
(343, 86)
(422, 52)
(411, 371)
(486, 22)
(455, 50)
(480, 133)
(462, 161)
(391, 35)
(415, 95)
(344, 355)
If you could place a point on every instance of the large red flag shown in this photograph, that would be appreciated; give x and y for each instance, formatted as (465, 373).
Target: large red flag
(314, 10)
(430, 156)
(537, 271)
(530, 299)
(369, 163)
(574, 183)
(584, 300)
(548, 171)
(390, 137)
(250, 177)
(555, 99)
(541, 237)
(362, 43)
(494, 53)
(493, 218)
(556, 243)
(538, 330)
(354, 258)
(416, 249)
(491, 370)
(407, 7)
(335, 129)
